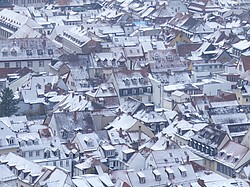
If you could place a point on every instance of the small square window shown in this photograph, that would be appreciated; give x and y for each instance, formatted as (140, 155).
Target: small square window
(50, 51)
(6, 64)
(39, 51)
(29, 52)
(30, 154)
(41, 63)
(149, 90)
(18, 64)
(30, 64)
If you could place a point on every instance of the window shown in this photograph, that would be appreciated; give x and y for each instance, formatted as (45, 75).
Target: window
(125, 92)
(18, 64)
(67, 163)
(11, 141)
(61, 163)
(39, 51)
(149, 89)
(41, 63)
(50, 51)
(29, 52)
(30, 153)
(13, 52)
(176, 160)
(140, 90)
(6, 64)
(37, 153)
(54, 163)
(23, 154)
(5, 53)
(240, 67)
(30, 64)
(133, 91)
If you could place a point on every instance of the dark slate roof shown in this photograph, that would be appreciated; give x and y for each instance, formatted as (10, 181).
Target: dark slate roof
(210, 136)
(73, 122)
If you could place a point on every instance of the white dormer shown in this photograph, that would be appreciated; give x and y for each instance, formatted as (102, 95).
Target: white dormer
(183, 171)
(13, 51)
(157, 175)
(142, 178)
(236, 158)
(170, 173)
(222, 152)
(11, 140)
(90, 142)
(29, 142)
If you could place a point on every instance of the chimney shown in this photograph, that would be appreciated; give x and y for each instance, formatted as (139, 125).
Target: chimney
(73, 94)
(201, 182)
(90, 130)
(81, 18)
(120, 133)
(187, 159)
(47, 88)
(139, 138)
(46, 17)
(167, 143)
(68, 15)
(80, 98)
(75, 116)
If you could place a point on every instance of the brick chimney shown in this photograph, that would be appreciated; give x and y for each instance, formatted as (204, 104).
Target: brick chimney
(47, 88)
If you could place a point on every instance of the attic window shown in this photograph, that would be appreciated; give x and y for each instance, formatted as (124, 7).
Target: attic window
(39, 51)
(183, 171)
(140, 90)
(222, 152)
(176, 160)
(50, 51)
(157, 175)
(10, 140)
(170, 173)
(236, 158)
(149, 89)
(170, 57)
(13, 52)
(29, 52)
(142, 178)
(90, 143)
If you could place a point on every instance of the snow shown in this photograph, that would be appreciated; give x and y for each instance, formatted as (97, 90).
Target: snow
(124, 121)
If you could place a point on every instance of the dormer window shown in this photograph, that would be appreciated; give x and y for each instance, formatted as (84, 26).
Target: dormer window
(22, 143)
(133, 91)
(157, 175)
(29, 142)
(222, 152)
(36, 142)
(4, 52)
(50, 51)
(170, 173)
(183, 171)
(228, 155)
(90, 142)
(13, 52)
(10, 140)
(140, 90)
(142, 178)
(149, 89)
(236, 158)
(29, 52)
(47, 154)
(39, 51)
